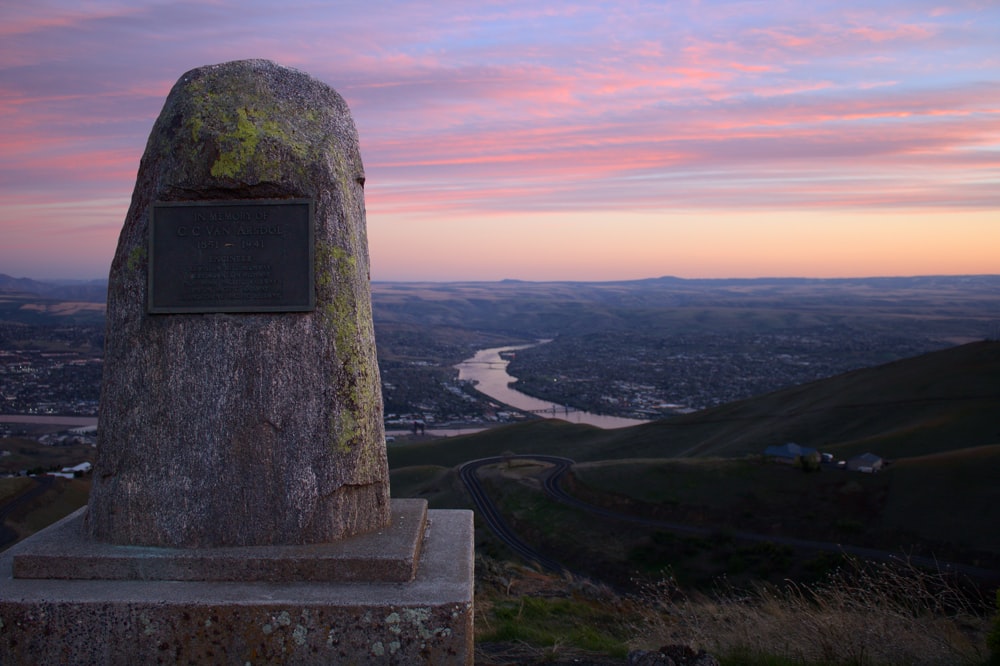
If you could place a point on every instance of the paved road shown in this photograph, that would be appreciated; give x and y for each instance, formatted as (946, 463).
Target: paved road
(489, 512)
(553, 488)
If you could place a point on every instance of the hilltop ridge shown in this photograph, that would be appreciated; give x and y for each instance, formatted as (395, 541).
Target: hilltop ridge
(915, 406)
(90, 291)
(932, 418)
(936, 402)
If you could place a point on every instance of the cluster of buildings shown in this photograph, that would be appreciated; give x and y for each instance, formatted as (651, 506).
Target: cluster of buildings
(794, 454)
(36, 381)
(654, 373)
(74, 471)
(21, 460)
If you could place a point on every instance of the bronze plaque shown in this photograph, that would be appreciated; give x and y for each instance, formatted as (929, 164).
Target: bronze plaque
(231, 256)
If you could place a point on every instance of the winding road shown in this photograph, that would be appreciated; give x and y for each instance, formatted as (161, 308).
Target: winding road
(553, 488)
(491, 514)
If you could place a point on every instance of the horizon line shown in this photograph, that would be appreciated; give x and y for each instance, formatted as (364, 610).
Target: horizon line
(597, 281)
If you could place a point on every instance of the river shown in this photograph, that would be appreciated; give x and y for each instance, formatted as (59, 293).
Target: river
(487, 369)
(489, 372)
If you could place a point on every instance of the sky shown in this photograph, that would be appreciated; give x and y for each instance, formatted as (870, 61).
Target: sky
(549, 140)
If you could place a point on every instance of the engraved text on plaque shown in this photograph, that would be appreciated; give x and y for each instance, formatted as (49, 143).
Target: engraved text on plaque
(231, 256)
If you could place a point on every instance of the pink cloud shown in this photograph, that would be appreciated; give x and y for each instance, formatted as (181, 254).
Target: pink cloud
(913, 33)
(35, 18)
(493, 111)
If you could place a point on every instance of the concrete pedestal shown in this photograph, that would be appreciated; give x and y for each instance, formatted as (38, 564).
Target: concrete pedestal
(320, 604)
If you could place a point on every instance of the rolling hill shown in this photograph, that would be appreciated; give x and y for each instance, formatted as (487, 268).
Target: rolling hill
(933, 416)
(930, 404)
(27, 301)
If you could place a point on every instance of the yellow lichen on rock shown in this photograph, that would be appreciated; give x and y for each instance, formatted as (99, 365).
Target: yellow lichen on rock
(242, 145)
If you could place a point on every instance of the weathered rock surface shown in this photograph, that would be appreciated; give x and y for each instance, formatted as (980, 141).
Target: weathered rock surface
(244, 429)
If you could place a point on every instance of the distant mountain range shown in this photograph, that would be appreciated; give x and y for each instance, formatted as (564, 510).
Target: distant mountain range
(95, 291)
(88, 291)
(548, 309)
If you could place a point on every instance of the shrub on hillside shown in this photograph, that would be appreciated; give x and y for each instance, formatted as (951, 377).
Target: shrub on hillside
(865, 614)
(993, 639)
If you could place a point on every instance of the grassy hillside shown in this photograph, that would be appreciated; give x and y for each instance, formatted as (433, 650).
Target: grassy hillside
(42, 503)
(943, 504)
(934, 416)
(932, 403)
(18, 453)
(955, 495)
(580, 442)
(938, 402)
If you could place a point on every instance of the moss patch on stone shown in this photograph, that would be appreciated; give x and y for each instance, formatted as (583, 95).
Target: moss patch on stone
(241, 145)
(136, 256)
(260, 140)
(339, 315)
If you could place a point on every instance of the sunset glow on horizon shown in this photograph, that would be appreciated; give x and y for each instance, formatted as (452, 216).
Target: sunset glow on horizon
(550, 141)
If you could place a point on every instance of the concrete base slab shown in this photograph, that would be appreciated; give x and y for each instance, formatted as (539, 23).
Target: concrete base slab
(425, 621)
(386, 555)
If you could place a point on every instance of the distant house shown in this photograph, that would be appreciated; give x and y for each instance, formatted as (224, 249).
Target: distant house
(74, 471)
(791, 453)
(866, 462)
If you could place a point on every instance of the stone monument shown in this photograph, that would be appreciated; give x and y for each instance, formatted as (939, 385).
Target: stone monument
(240, 508)
(272, 420)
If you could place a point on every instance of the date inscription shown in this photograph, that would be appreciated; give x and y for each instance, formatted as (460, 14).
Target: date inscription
(231, 256)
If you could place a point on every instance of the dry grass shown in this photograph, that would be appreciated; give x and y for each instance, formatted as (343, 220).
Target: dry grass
(869, 614)
(524, 616)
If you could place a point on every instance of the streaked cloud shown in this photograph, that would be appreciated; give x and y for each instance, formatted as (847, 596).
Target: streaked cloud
(505, 111)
